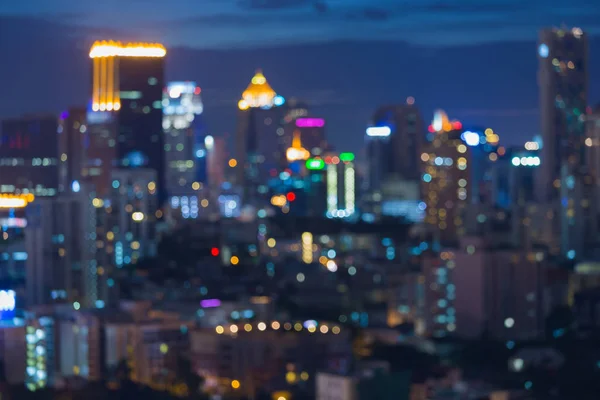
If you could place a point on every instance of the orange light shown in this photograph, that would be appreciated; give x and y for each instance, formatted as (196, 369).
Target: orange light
(15, 200)
(118, 49)
(233, 163)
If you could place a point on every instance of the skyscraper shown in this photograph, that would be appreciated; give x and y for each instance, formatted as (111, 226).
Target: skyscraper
(72, 126)
(406, 137)
(445, 179)
(563, 86)
(184, 141)
(258, 149)
(128, 86)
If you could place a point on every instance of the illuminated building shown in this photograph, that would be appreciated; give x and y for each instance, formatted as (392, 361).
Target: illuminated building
(127, 111)
(296, 152)
(80, 339)
(440, 292)
(563, 92)
(341, 185)
(184, 142)
(313, 134)
(41, 357)
(29, 155)
(72, 126)
(258, 151)
(445, 177)
(60, 249)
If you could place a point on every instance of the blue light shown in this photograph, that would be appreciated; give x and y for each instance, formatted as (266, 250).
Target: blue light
(135, 159)
(426, 178)
(200, 153)
(571, 254)
(510, 345)
(422, 206)
(470, 138)
(75, 186)
(543, 50)
(115, 184)
(278, 100)
(99, 303)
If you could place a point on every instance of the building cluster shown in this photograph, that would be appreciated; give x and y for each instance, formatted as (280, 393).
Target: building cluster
(270, 259)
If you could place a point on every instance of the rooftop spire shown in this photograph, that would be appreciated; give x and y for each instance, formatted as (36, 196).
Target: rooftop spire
(259, 94)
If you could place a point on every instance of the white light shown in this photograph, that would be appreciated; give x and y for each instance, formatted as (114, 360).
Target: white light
(518, 364)
(516, 161)
(379, 131)
(209, 142)
(509, 322)
(543, 50)
(7, 300)
(471, 138)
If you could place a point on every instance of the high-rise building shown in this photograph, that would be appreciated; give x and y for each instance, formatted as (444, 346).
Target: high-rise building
(184, 141)
(563, 86)
(258, 149)
(445, 179)
(312, 131)
(341, 185)
(29, 155)
(406, 133)
(128, 81)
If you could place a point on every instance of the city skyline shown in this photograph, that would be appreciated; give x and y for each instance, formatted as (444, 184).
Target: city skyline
(512, 111)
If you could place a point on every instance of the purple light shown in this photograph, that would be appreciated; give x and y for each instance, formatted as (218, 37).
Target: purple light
(64, 115)
(310, 122)
(210, 303)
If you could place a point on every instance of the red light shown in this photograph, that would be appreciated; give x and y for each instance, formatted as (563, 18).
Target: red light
(457, 125)
(290, 196)
(214, 252)
(197, 90)
(328, 160)
(430, 128)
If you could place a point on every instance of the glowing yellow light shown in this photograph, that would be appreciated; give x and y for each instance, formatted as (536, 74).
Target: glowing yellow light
(275, 325)
(137, 216)
(271, 242)
(297, 152)
(307, 245)
(97, 202)
(151, 186)
(335, 330)
(164, 348)
(298, 326)
(323, 260)
(219, 329)
(261, 326)
(488, 131)
(204, 203)
(15, 200)
(324, 329)
(234, 260)
(118, 49)
(233, 328)
(233, 163)
(248, 327)
(235, 384)
(258, 94)
(135, 245)
(196, 185)
(290, 377)
(279, 201)
(110, 235)
(304, 375)
(462, 148)
(588, 142)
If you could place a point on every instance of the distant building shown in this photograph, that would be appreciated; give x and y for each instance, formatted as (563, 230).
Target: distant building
(72, 126)
(29, 155)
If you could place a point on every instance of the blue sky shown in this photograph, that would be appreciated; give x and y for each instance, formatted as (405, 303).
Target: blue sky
(474, 58)
(247, 23)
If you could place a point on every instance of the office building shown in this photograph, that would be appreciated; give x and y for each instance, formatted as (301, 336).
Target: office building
(445, 178)
(127, 94)
(259, 151)
(29, 155)
(184, 141)
(312, 132)
(72, 127)
(563, 90)
(341, 185)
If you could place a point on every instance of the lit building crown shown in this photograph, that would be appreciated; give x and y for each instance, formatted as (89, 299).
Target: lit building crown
(441, 123)
(117, 49)
(297, 152)
(259, 94)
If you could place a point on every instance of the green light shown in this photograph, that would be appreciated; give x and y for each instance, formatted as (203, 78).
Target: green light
(347, 157)
(315, 164)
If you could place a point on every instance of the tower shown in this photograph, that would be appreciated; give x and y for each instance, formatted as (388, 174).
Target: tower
(258, 149)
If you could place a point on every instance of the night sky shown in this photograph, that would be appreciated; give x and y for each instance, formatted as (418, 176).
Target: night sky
(475, 59)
